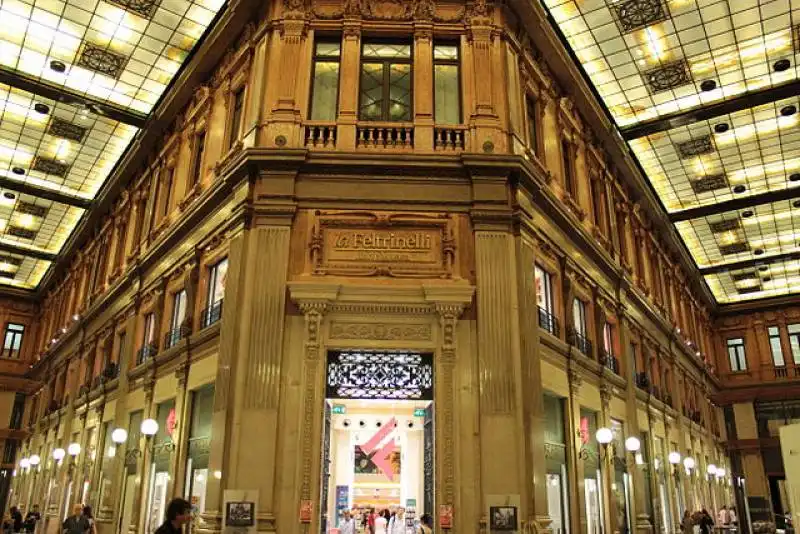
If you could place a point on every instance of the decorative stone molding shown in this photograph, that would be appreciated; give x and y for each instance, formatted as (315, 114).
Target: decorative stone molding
(380, 331)
(575, 380)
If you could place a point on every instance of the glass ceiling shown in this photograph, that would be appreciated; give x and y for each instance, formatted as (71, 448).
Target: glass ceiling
(649, 59)
(122, 52)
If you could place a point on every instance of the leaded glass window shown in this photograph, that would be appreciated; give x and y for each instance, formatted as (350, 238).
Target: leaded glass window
(379, 375)
(385, 93)
(325, 88)
(447, 105)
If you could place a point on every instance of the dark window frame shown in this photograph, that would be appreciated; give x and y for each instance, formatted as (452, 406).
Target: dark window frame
(568, 167)
(533, 129)
(198, 155)
(774, 334)
(8, 348)
(736, 351)
(386, 83)
(236, 114)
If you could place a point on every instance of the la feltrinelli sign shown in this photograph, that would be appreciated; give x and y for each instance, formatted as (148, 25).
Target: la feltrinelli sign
(403, 245)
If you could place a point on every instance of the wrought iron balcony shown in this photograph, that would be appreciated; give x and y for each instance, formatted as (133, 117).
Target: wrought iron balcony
(548, 321)
(146, 352)
(175, 335)
(579, 341)
(111, 371)
(610, 362)
(211, 315)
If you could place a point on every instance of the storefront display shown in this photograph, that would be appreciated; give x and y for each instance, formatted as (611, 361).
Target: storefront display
(555, 455)
(591, 471)
(199, 447)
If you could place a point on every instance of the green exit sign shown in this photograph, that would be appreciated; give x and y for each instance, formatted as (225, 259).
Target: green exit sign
(339, 409)
(419, 412)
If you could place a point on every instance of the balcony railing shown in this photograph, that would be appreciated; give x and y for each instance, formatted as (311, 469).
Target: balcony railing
(111, 371)
(548, 321)
(642, 381)
(610, 362)
(145, 353)
(449, 138)
(175, 335)
(320, 135)
(385, 136)
(781, 372)
(211, 315)
(580, 342)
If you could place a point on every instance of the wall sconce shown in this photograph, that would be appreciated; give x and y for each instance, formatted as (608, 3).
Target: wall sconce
(58, 454)
(721, 473)
(24, 463)
(688, 464)
(674, 460)
(149, 428)
(74, 449)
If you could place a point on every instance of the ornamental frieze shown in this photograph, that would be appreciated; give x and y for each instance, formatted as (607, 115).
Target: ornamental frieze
(380, 331)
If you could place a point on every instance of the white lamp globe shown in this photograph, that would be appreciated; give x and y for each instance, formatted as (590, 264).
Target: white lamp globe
(119, 436)
(74, 449)
(720, 472)
(688, 463)
(59, 454)
(149, 427)
(34, 460)
(674, 458)
(711, 469)
(632, 444)
(604, 436)
(24, 463)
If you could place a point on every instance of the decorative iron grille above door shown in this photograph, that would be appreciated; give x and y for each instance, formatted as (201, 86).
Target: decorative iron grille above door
(397, 375)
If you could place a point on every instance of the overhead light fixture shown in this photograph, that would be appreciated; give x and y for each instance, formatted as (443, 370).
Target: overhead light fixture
(722, 127)
(18, 170)
(766, 279)
(747, 213)
(9, 196)
(708, 85)
(788, 111)
(796, 203)
(758, 251)
(781, 65)
(739, 189)
(795, 177)
(58, 66)
(763, 268)
(44, 109)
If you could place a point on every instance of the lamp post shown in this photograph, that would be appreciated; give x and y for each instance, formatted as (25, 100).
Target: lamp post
(688, 465)
(34, 462)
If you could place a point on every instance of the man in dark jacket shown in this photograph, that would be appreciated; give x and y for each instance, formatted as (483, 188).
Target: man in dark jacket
(179, 512)
(32, 518)
(16, 519)
(77, 523)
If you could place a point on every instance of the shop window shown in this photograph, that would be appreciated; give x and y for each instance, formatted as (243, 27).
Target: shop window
(589, 453)
(198, 150)
(532, 112)
(386, 89)
(794, 342)
(736, 354)
(109, 452)
(217, 275)
(555, 456)
(199, 447)
(775, 346)
(235, 121)
(447, 93)
(163, 446)
(13, 340)
(131, 474)
(325, 85)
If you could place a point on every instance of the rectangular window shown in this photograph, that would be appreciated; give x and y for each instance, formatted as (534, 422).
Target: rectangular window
(544, 290)
(216, 282)
(533, 124)
(178, 309)
(736, 354)
(13, 340)
(325, 86)
(120, 346)
(794, 341)
(447, 97)
(149, 329)
(236, 117)
(385, 92)
(197, 160)
(569, 168)
(608, 338)
(775, 346)
(169, 174)
(579, 316)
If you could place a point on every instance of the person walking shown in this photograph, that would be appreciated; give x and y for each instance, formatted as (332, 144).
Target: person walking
(723, 519)
(32, 518)
(687, 523)
(397, 524)
(179, 512)
(348, 525)
(426, 524)
(381, 522)
(87, 513)
(706, 523)
(77, 523)
(732, 517)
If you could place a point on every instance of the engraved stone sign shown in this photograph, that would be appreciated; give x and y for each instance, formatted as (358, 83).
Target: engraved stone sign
(380, 244)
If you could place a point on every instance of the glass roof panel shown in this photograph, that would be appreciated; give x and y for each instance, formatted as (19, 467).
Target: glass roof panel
(757, 148)
(759, 282)
(649, 58)
(756, 233)
(120, 51)
(67, 149)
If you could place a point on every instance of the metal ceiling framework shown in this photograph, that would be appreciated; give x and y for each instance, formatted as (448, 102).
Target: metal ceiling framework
(79, 80)
(705, 94)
